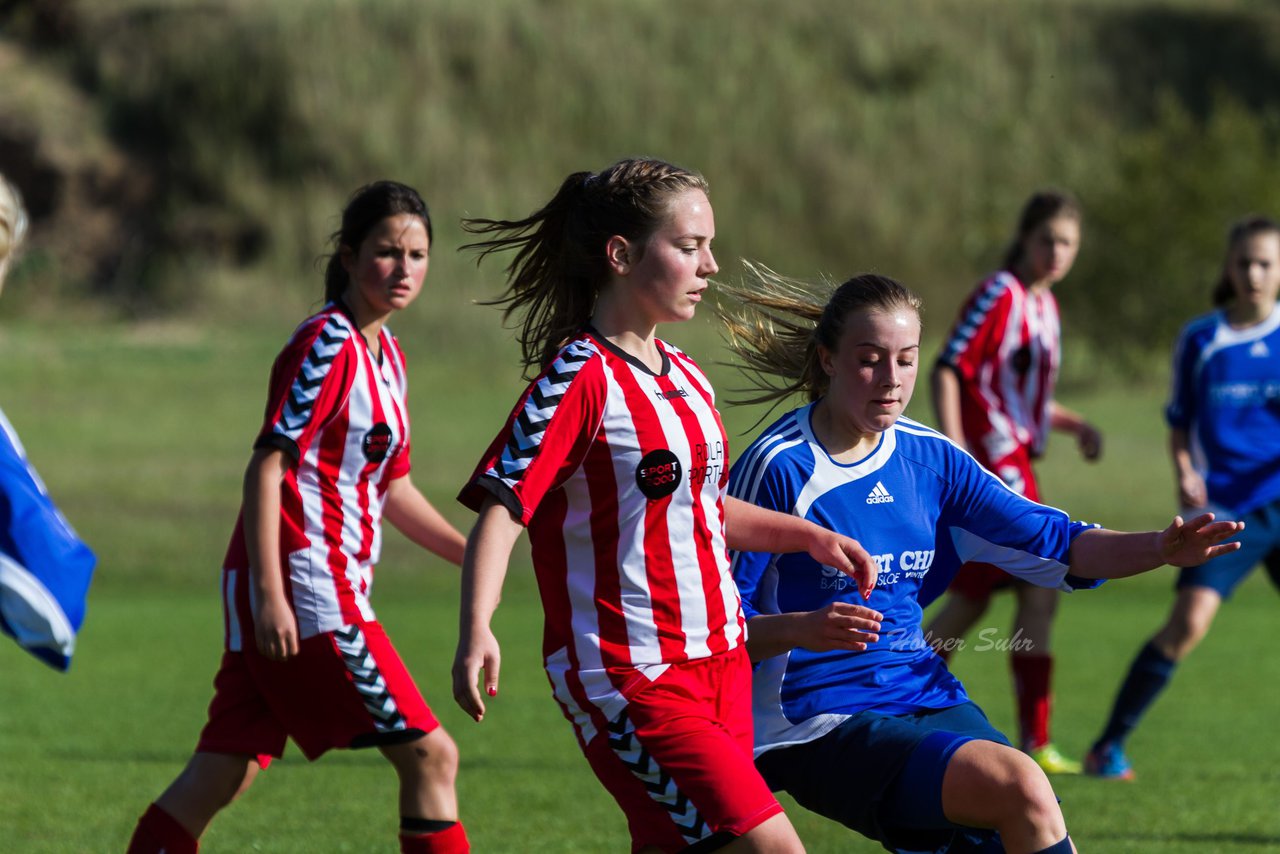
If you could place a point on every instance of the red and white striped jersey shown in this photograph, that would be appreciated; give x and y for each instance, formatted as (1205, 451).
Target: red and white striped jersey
(619, 475)
(340, 415)
(1006, 347)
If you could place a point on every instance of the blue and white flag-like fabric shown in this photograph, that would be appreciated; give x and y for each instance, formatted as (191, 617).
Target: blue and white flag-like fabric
(45, 568)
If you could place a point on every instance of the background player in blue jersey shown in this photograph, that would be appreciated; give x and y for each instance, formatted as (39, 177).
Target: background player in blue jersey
(1224, 436)
(856, 716)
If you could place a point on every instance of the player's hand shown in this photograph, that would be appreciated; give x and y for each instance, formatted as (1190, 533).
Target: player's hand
(1194, 542)
(1191, 490)
(845, 554)
(840, 625)
(475, 654)
(276, 629)
(1089, 440)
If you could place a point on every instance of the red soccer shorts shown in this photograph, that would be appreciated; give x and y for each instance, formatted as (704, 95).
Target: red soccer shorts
(977, 581)
(678, 758)
(346, 688)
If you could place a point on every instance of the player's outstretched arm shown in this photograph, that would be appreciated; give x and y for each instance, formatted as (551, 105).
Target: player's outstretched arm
(1099, 553)
(417, 518)
(484, 568)
(837, 626)
(750, 528)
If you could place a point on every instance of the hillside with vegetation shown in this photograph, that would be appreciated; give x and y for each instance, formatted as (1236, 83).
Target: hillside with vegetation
(189, 156)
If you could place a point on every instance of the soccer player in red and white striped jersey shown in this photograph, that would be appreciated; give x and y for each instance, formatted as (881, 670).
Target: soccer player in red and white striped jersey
(615, 459)
(305, 656)
(994, 394)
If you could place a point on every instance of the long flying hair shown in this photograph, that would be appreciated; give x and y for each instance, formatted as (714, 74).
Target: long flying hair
(560, 264)
(779, 324)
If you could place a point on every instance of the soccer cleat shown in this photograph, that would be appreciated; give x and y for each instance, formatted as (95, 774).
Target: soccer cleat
(1051, 760)
(1107, 760)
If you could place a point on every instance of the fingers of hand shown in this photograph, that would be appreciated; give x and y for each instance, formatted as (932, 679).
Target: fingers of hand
(465, 675)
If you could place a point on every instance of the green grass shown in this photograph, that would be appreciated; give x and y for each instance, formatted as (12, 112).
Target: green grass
(142, 435)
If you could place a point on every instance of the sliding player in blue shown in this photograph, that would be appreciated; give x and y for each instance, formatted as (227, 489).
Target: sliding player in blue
(855, 715)
(1224, 437)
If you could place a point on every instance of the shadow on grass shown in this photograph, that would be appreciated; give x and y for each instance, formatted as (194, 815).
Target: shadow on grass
(1212, 841)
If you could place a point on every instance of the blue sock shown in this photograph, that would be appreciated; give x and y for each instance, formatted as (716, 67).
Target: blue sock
(1148, 675)
(1063, 847)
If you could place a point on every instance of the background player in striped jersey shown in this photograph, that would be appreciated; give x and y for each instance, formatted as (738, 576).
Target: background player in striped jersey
(1224, 437)
(616, 460)
(871, 731)
(994, 394)
(305, 656)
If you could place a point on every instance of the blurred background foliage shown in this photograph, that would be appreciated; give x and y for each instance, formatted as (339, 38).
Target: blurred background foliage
(187, 158)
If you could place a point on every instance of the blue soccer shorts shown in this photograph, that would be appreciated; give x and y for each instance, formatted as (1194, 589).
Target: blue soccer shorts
(1259, 543)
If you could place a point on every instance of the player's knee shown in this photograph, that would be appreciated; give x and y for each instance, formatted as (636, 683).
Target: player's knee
(1029, 796)
(211, 781)
(432, 757)
(1182, 634)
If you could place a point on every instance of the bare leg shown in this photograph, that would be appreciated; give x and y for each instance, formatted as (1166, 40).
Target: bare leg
(773, 836)
(953, 621)
(1188, 622)
(1033, 617)
(208, 783)
(990, 785)
(428, 771)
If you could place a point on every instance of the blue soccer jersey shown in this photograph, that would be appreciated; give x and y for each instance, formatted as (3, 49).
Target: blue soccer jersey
(921, 507)
(1226, 395)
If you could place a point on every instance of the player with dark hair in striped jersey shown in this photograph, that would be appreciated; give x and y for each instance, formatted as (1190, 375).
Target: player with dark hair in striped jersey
(615, 460)
(875, 732)
(994, 394)
(305, 655)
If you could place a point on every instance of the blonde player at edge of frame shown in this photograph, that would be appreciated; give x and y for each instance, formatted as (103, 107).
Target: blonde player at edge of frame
(305, 657)
(45, 568)
(615, 460)
(880, 736)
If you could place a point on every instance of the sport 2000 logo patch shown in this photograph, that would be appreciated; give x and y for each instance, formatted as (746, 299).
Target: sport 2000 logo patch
(658, 474)
(376, 443)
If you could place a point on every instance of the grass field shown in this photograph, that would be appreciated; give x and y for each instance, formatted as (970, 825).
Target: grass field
(142, 435)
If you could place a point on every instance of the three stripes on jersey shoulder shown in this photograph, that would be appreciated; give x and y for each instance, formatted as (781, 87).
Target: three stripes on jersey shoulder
(540, 405)
(315, 367)
(973, 318)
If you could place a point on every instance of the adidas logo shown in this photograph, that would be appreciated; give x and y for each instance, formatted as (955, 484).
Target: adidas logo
(879, 495)
(1259, 350)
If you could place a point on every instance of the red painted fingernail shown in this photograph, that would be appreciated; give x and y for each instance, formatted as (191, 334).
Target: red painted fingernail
(493, 692)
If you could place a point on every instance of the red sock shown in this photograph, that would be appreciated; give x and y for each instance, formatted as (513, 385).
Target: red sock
(1032, 675)
(451, 840)
(160, 833)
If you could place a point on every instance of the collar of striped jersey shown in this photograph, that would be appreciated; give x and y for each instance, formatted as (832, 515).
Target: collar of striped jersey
(623, 354)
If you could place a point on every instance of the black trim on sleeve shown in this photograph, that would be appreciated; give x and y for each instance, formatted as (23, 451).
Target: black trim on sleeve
(503, 493)
(279, 442)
